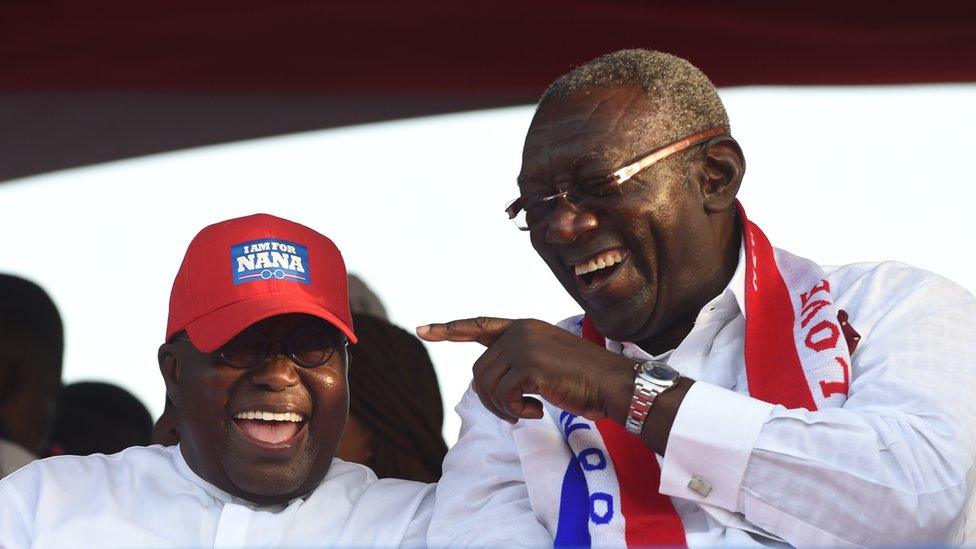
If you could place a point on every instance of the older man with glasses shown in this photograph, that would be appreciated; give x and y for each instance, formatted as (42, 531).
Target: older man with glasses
(255, 363)
(716, 390)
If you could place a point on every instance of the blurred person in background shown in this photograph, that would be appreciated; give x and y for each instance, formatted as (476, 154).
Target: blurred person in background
(362, 299)
(395, 409)
(31, 351)
(99, 418)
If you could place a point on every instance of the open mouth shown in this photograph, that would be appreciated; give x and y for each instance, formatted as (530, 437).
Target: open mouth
(269, 428)
(599, 268)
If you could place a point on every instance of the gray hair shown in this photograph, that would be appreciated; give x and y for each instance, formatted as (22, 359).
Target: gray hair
(687, 100)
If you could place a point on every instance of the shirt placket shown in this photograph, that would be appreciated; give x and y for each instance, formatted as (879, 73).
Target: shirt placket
(232, 525)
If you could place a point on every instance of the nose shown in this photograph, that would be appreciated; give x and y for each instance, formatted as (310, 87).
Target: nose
(568, 221)
(277, 373)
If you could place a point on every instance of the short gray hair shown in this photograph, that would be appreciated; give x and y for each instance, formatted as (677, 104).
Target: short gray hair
(687, 99)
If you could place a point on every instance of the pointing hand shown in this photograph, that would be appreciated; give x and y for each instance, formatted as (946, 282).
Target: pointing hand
(531, 357)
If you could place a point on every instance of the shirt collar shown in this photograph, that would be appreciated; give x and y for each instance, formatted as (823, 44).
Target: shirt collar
(184, 469)
(724, 305)
(737, 285)
(718, 307)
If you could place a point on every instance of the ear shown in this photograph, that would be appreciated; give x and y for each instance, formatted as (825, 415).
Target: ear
(723, 169)
(169, 367)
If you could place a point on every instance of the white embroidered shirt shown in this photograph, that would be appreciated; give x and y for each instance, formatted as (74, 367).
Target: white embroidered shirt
(149, 497)
(893, 465)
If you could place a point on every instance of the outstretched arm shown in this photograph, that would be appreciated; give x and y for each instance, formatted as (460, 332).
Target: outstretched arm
(894, 465)
(524, 357)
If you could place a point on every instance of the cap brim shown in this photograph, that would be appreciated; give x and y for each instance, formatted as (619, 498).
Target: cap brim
(212, 330)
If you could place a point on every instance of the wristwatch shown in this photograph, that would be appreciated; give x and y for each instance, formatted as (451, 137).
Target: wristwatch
(652, 379)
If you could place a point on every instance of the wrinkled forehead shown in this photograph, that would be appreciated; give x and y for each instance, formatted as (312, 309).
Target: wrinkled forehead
(601, 122)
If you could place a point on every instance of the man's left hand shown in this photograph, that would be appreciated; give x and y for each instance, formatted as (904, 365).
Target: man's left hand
(531, 357)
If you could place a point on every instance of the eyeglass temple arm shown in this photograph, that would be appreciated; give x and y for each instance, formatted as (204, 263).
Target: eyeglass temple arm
(625, 173)
(513, 208)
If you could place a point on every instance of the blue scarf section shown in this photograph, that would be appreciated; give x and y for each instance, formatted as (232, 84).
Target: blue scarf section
(574, 509)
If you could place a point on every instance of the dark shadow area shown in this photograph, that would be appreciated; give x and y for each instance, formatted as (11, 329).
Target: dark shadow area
(99, 418)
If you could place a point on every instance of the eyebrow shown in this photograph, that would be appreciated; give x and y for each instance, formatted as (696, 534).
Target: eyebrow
(578, 164)
(588, 156)
(590, 165)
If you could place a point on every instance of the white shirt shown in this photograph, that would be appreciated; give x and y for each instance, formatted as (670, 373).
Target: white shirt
(13, 457)
(149, 497)
(893, 465)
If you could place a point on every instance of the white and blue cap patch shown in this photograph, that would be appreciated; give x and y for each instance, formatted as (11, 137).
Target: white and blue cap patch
(269, 259)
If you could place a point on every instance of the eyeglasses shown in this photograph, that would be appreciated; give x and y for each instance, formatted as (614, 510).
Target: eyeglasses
(528, 210)
(309, 348)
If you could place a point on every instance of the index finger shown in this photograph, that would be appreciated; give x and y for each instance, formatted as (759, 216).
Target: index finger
(483, 329)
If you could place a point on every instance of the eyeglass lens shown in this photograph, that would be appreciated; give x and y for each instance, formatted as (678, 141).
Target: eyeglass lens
(535, 209)
(309, 348)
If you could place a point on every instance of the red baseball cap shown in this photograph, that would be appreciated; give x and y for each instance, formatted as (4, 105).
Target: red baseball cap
(244, 270)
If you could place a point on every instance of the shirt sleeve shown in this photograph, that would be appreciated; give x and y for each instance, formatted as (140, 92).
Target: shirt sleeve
(482, 499)
(389, 513)
(14, 530)
(415, 535)
(893, 465)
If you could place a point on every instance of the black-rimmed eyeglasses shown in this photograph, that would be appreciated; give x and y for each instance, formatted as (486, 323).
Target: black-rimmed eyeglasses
(309, 348)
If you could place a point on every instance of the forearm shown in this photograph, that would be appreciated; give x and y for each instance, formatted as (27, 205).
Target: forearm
(870, 475)
(890, 477)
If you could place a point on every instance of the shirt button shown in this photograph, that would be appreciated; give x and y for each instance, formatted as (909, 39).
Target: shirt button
(701, 486)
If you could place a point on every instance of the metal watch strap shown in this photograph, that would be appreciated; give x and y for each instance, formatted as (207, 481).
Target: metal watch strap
(645, 392)
(640, 405)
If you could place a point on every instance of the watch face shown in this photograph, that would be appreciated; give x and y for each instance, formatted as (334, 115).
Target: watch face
(660, 372)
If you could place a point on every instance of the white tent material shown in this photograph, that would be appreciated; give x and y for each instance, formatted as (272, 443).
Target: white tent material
(835, 174)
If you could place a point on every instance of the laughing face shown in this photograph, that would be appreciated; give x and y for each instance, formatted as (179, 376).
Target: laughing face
(642, 259)
(266, 433)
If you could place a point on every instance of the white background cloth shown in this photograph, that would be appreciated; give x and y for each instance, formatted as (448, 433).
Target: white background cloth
(893, 465)
(149, 497)
(889, 197)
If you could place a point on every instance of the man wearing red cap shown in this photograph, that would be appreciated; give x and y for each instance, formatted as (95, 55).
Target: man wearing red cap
(255, 361)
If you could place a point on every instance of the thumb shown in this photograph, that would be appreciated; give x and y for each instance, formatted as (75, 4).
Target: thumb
(484, 329)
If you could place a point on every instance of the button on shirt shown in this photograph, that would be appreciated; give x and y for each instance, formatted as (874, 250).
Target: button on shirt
(149, 497)
(893, 465)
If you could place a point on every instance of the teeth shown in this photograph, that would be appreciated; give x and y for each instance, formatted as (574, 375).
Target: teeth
(269, 416)
(602, 261)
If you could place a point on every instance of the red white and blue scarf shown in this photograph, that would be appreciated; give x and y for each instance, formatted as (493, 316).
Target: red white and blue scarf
(797, 354)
